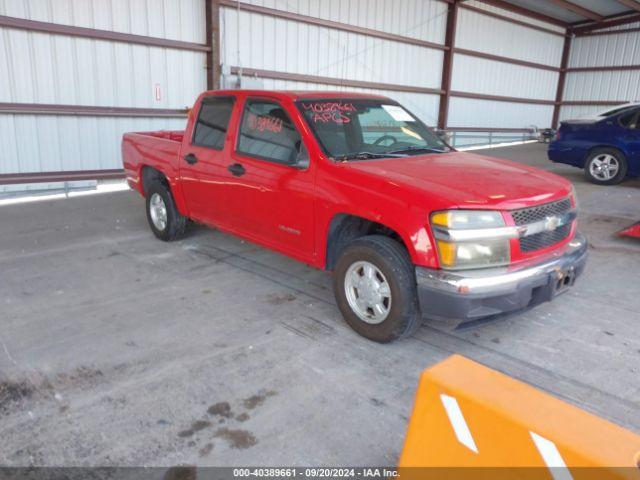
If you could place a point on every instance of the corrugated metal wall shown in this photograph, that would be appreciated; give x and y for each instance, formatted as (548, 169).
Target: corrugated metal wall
(422, 19)
(58, 69)
(599, 51)
(496, 36)
(424, 106)
(288, 46)
(175, 19)
(61, 69)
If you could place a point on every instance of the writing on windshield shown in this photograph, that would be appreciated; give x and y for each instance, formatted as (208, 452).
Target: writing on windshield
(367, 128)
(329, 111)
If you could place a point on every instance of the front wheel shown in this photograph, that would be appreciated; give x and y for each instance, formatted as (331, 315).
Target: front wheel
(605, 166)
(375, 287)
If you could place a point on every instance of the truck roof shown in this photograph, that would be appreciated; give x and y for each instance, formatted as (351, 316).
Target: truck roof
(300, 94)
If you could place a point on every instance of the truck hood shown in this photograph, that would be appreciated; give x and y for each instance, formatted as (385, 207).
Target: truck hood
(468, 180)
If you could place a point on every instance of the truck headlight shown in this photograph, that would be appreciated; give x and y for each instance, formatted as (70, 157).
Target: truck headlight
(472, 238)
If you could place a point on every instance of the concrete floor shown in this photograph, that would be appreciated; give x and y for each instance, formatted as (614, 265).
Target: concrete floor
(118, 349)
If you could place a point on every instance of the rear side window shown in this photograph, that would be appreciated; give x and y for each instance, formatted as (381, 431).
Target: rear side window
(268, 133)
(630, 120)
(213, 121)
(610, 113)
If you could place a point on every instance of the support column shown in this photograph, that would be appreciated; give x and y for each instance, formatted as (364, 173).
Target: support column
(561, 78)
(447, 64)
(212, 19)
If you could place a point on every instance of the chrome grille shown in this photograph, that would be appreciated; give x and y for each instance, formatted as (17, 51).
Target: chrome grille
(534, 214)
(544, 239)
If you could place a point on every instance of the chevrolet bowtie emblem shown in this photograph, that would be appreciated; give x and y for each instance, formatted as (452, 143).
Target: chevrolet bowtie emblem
(551, 223)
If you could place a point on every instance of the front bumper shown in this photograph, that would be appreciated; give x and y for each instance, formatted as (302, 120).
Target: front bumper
(475, 294)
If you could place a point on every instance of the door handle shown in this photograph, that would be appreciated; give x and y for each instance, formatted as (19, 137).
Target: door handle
(236, 169)
(191, 159)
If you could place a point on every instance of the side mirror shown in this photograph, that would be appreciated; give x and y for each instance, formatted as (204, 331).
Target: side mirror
(302, 158)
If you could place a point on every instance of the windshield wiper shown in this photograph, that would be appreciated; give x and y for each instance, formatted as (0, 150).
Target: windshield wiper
(415, 148)
(365, 156)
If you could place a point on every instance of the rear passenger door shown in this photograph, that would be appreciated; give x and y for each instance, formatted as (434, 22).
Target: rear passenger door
(270, 191)
(204, 159)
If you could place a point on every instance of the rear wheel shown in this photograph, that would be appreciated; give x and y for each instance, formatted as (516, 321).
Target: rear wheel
(606, 166)
(375, 288)
(165, 220)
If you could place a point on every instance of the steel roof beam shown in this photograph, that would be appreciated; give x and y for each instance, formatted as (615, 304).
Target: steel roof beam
(577, 9)
(632, 4)
(525, 11)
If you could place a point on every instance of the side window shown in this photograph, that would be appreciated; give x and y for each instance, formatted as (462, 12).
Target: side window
(212, 123)
(630, 120)
(268, 133)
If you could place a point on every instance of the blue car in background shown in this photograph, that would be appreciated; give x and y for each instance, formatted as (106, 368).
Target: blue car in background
(606, 146)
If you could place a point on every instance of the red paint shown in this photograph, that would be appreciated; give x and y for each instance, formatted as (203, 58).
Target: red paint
(290, 210)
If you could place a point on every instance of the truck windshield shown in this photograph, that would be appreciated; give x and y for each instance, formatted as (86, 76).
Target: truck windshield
(368, 128)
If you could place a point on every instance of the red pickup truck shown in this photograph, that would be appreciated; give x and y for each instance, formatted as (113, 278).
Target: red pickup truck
(358, 185)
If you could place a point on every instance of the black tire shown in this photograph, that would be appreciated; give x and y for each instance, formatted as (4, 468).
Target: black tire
(593, 157)
(391, 258)
(176, 223)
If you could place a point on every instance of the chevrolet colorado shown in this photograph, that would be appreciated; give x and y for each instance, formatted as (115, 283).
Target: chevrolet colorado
(358, 185)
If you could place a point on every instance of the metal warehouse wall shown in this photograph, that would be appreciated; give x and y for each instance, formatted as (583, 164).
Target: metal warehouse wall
(76, 74)
(504, 74)
(497, 36)
(289, 46)
(58, 69)
(610, 71)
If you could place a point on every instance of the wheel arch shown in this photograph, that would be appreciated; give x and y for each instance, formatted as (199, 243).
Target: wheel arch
(346, 227)
(590, 150)
(150, 174)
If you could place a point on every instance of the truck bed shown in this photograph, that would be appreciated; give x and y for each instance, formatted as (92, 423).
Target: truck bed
(171, 135)
(159, 149)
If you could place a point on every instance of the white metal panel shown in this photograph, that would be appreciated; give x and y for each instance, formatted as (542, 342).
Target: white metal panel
(602, 50)
(467, 112)
(474, 139)
(605, 50)
(476, 31)
(621, 27)
(570, 112)
(616, 85)
(43, 68)
(287, 46)
(46, 143)
(424, 106)
(38, 67)
(42, 187)
(174, 19)
(422, 19)
(479, 75)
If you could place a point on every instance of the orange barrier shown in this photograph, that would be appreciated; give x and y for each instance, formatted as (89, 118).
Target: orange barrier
(632, 231)
(474, 422)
